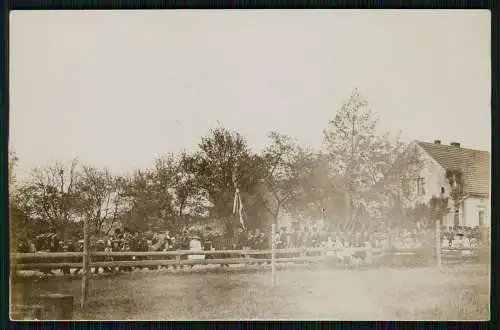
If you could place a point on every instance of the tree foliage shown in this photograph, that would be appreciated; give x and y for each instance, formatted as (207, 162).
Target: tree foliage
(376, 171)
(223, 162)
(100, 198)
(50, 197)
(320, 194)
(281, 172)
(350, 141)
(148, 201)
(359, 177)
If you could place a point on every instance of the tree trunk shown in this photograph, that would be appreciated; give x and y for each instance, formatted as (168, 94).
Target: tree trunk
(275, 215)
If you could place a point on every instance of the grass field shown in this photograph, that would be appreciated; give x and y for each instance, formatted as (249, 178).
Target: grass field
(452, 293)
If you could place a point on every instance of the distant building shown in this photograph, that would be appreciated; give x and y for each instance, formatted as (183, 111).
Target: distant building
(438, 158)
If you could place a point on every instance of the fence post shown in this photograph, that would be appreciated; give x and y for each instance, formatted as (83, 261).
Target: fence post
(86, 262)
(438, 244)
(178, 259)
(273, 254)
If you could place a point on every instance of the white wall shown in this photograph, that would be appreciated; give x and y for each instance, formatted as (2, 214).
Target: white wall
(472, 205)
(435, 178)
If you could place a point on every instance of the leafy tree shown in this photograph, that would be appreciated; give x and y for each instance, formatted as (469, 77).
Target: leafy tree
(395, 167)
(148, 200)
(455, 179)
(376, 171)
(319, 194)
(439, 208)
(223, 162)
(178, 173)
(281, 172)
(349, 141)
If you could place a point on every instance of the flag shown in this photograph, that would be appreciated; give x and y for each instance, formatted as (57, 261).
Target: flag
(238, 207)
(235, 204)
(242, 222)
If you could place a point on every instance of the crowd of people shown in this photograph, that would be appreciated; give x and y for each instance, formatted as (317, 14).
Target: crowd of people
(285, 238)
(463, 237)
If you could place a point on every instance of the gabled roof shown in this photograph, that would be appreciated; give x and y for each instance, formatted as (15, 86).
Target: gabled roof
(475, 165)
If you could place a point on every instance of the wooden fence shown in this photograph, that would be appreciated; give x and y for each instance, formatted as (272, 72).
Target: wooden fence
(42, 260)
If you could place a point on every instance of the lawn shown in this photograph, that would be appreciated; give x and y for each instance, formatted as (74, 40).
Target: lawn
(452, 293)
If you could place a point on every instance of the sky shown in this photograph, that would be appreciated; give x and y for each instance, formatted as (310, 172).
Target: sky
(117, 89)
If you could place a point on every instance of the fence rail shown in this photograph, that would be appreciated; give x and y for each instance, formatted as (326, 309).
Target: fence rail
(53, 255)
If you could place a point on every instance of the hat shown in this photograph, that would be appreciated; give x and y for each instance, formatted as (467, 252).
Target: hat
(81, 241)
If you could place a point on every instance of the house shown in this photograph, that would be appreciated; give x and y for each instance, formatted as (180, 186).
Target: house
(474, 208)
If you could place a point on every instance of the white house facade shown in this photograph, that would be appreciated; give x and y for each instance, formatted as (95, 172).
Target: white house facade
(437, 158)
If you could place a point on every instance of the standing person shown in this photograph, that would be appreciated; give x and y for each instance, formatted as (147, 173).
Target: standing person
(143, 247)
(339, 246)
(68, 247)
(330, 244)
(466, 244)
(175, 246)
(99, 247)
(184, 243)
(171, 244)
(22, 247)
(31, 246)
(445, 241)
(195, 246)
(108, 249)
(126, 248)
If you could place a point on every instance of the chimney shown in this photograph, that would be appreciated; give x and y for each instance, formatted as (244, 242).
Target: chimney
(455, 144)
(437, 141)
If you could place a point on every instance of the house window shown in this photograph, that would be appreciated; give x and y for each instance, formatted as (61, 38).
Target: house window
(420, 186)
(481, 217)
(442, 190)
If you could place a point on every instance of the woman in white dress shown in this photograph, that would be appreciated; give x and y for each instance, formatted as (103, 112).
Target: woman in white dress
(195, 246)
(340, 253)
(329, 244)
(446, 242)
(466, 244)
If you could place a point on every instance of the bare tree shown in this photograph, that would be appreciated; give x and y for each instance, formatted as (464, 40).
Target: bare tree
(12, 166)
(100, 197)
(50, 196)
(178, 175)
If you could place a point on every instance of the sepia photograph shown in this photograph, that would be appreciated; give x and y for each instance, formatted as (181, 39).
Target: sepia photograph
(250, 165)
